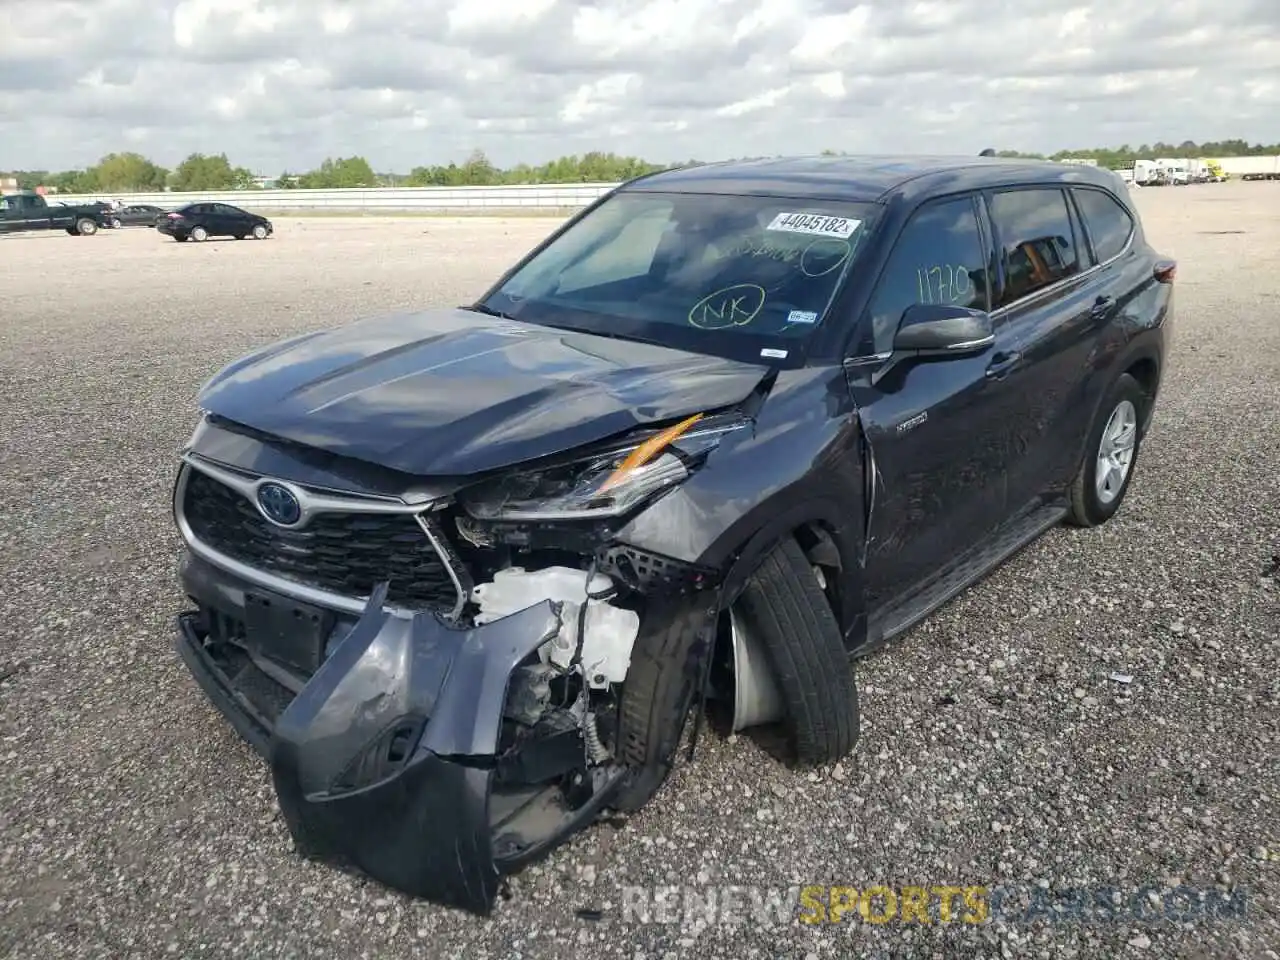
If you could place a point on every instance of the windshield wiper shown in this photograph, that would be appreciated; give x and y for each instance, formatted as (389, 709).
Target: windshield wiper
(487, 310)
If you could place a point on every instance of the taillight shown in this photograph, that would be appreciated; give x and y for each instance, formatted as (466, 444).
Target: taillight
(174, 216)
(1165, 271)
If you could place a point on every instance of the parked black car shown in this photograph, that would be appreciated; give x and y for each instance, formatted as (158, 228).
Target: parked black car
(765, 415)
(136, 215)
(27, 211)
(199, 221)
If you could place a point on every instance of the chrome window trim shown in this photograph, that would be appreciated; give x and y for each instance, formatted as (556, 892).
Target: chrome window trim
(320, 504)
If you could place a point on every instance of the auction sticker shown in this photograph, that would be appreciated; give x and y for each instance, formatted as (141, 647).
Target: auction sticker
(815, 225)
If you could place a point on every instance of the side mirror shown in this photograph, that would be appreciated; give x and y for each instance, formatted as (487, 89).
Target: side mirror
(929, 330)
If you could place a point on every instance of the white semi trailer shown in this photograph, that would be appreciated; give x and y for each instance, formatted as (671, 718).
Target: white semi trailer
(1250, 168)
(1146, 173)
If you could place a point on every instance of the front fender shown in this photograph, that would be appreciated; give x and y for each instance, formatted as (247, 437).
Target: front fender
(801, 465)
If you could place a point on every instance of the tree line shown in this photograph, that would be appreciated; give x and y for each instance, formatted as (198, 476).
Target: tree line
(134, 173)
(1119, 158)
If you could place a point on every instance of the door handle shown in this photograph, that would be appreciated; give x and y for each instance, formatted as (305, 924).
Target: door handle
(1002, 363)
(1101, 307)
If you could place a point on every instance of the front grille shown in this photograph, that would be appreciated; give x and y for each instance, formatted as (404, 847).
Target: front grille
(343, 553)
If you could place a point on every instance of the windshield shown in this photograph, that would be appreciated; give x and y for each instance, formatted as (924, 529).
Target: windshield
(737, 276)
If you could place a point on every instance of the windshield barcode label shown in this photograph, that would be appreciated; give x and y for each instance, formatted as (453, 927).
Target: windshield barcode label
(815, 224)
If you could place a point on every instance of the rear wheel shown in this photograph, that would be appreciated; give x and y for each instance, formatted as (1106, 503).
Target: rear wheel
(1110, 455)
(86, 226)
(199, 234)
(116, 224)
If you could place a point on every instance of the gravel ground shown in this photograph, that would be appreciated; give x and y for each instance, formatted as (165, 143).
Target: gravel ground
(995, 748)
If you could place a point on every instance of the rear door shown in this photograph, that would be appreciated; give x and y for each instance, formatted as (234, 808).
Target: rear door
(215, 222)
(936, 428)
(1053, 306)
(1118, 271)
(200, 214)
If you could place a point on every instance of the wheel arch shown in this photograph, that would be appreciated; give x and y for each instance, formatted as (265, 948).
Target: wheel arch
(1145, 368)
(824, 533)
(1141, 360)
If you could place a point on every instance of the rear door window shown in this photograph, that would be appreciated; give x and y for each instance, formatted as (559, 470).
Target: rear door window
(939, 257)
(1107, 222)
(1037, 239)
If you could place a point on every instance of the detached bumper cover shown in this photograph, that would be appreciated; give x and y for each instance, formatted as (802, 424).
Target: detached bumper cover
(384, 759)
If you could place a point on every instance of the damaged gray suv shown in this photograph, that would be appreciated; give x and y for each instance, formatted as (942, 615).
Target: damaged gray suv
(462, 576)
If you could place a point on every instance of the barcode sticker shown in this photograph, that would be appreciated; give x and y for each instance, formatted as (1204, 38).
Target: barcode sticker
(815, 225)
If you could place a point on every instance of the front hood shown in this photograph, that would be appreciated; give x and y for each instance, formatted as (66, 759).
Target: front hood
(451, 392)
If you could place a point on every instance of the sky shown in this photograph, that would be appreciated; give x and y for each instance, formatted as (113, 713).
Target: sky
(281, 84)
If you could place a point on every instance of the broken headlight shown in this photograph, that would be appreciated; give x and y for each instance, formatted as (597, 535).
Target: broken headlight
(606, 483)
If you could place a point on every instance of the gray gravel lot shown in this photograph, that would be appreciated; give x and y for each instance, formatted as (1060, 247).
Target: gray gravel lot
(995, 750)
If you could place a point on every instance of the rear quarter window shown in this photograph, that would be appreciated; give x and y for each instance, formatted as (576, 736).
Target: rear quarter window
(1105, 220)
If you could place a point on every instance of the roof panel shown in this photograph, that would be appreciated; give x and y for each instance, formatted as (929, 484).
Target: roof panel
(867, 177)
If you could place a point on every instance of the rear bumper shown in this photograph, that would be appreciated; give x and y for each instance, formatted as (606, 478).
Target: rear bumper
(384, 758)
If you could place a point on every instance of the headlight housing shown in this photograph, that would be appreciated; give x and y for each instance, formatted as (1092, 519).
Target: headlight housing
(606, 483)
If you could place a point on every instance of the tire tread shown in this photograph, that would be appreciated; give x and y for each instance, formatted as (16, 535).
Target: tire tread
(788, 609)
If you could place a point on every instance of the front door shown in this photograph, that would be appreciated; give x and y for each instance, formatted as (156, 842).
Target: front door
(231, 222)
(936, 428)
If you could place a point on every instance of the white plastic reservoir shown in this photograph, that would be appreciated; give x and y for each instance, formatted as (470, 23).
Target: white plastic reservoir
(610, 631)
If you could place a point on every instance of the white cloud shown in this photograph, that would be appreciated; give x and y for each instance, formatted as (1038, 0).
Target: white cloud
(754, 104)
(830, 84)
(283, 83)
(193, 19)
(336, 20)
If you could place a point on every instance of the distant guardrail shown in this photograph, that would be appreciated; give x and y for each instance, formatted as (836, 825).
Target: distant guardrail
(539, 196)
(542, 196)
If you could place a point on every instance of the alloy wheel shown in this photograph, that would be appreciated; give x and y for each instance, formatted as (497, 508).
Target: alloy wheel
(1115, 452)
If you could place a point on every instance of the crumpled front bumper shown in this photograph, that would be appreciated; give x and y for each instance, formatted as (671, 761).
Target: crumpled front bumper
(384, 759)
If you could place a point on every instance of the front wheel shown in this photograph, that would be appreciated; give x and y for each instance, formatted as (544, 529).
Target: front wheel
(1105, 472)
(784, 606)
(86, 227)
(116, 224)
(259, 232)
